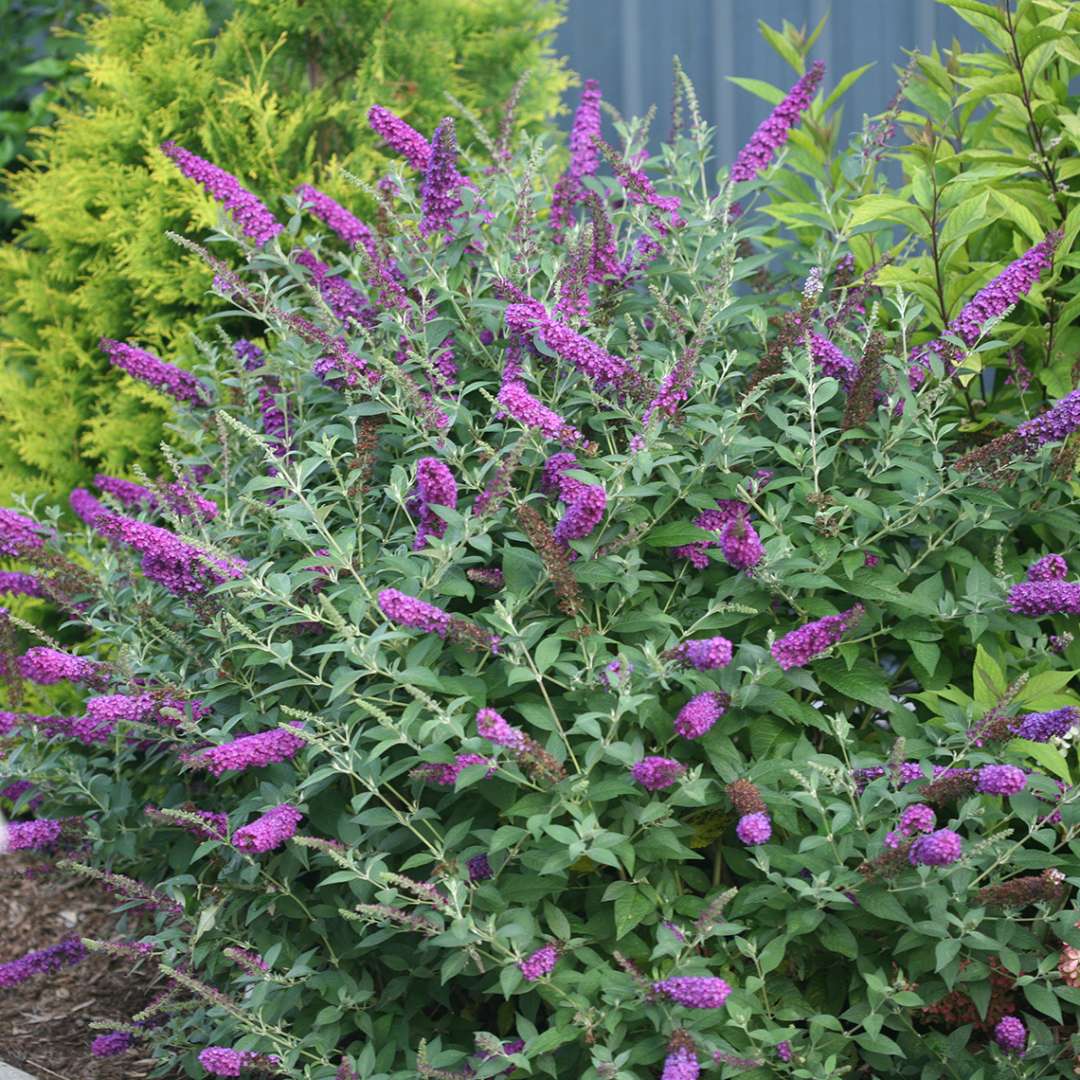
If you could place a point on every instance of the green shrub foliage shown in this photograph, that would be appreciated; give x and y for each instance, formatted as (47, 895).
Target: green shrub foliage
(989, 158)
(277, 95)
(554, 657)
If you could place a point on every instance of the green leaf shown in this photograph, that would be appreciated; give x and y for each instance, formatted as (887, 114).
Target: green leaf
(876, 208)
(1047, 756)
(677, 533)
(630, 908)
(880, 902)
(863, 682)
(1043, 999)
(846, 83)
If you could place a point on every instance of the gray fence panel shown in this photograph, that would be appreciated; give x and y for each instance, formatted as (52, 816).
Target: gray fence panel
(628, 44)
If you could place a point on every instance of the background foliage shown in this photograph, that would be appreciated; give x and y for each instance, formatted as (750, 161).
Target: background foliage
(278, 96)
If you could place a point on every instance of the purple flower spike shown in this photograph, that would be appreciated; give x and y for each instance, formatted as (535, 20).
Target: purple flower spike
(655, 773)
(706, 654)
(1048, 568)
(681, 1064)
(1038, 598)
(1011, 1035)
(516, 400)
(269, 831)
(1001, 780)
(479, 869)
(584, 159)
(85, 506)
(400, 137)
(773, 132)
(115, 1042)
(33, 835)
(249, 752)
(18, 584)
(178, 384)
(740, 544)
(18, 534)
(917, 819)
(247, 211)
(815, 638)
(699, 714)
(46, 666)
(833, 362)
(415, 614)
(493, 727)
(63, 954)
(335, 217)
(440, 197)
(754, 829)
(584, 513)
(1044, 726)
(992, 300)
(694, 991)
(540, 963)
(941, 848)
(435, 486)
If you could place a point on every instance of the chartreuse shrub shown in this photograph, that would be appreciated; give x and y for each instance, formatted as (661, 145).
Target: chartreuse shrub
(551, 657)
(277, 95)
(975, 160)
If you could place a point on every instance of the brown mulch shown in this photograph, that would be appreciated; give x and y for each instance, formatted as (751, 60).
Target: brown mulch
(46, 1019)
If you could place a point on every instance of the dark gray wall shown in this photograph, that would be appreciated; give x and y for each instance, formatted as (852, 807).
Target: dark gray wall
(628, 44)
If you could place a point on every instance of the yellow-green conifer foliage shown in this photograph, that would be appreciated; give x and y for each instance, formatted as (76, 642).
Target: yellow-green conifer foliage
(278, 96)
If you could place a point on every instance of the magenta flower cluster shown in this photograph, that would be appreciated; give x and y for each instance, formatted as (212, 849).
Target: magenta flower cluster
(740, 544)
(941, 848)
(754, 829)
(596, 364)
(1044, 726)
(269, 830)
(103, 714)
(18, 534)
(495, 728)
(46, 666)
(42, 961)
(705, 654)
(832, 361)
(681, 1064)
(773, 131)
(1049, 568)
(655, 773)
(1048, 597)
(991, 301)
(178, 384)
(540, 963)
(336, 218)
(435, 486)
(415, 614)
(815, 638)
(1054, 425)
(18, 584)
(247, 211)
(249, 752)
(918, 818)
(694, 991)
(717, 520)
(516, 400)
(446, 774)
(400, 137)
(33, 835)
(112, 1044)
(584, 159)
(440, 197)
(224, 1061)
(699, 714)
(1011, 1035)
(178, 566)
(1000, 780)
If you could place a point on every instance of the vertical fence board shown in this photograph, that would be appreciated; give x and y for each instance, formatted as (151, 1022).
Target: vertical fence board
(628, 44)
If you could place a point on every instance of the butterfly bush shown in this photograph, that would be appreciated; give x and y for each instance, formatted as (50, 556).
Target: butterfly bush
(609, 688)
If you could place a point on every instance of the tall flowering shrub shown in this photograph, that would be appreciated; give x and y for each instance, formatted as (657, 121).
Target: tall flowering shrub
(609, 689)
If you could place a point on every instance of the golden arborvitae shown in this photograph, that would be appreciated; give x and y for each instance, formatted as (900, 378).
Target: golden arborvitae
(277, 96)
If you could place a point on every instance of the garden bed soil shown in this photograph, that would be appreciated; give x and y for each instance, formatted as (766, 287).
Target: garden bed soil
(45, 1021)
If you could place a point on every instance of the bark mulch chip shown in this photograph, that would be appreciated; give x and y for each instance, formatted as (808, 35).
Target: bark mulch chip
(45, 1026)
